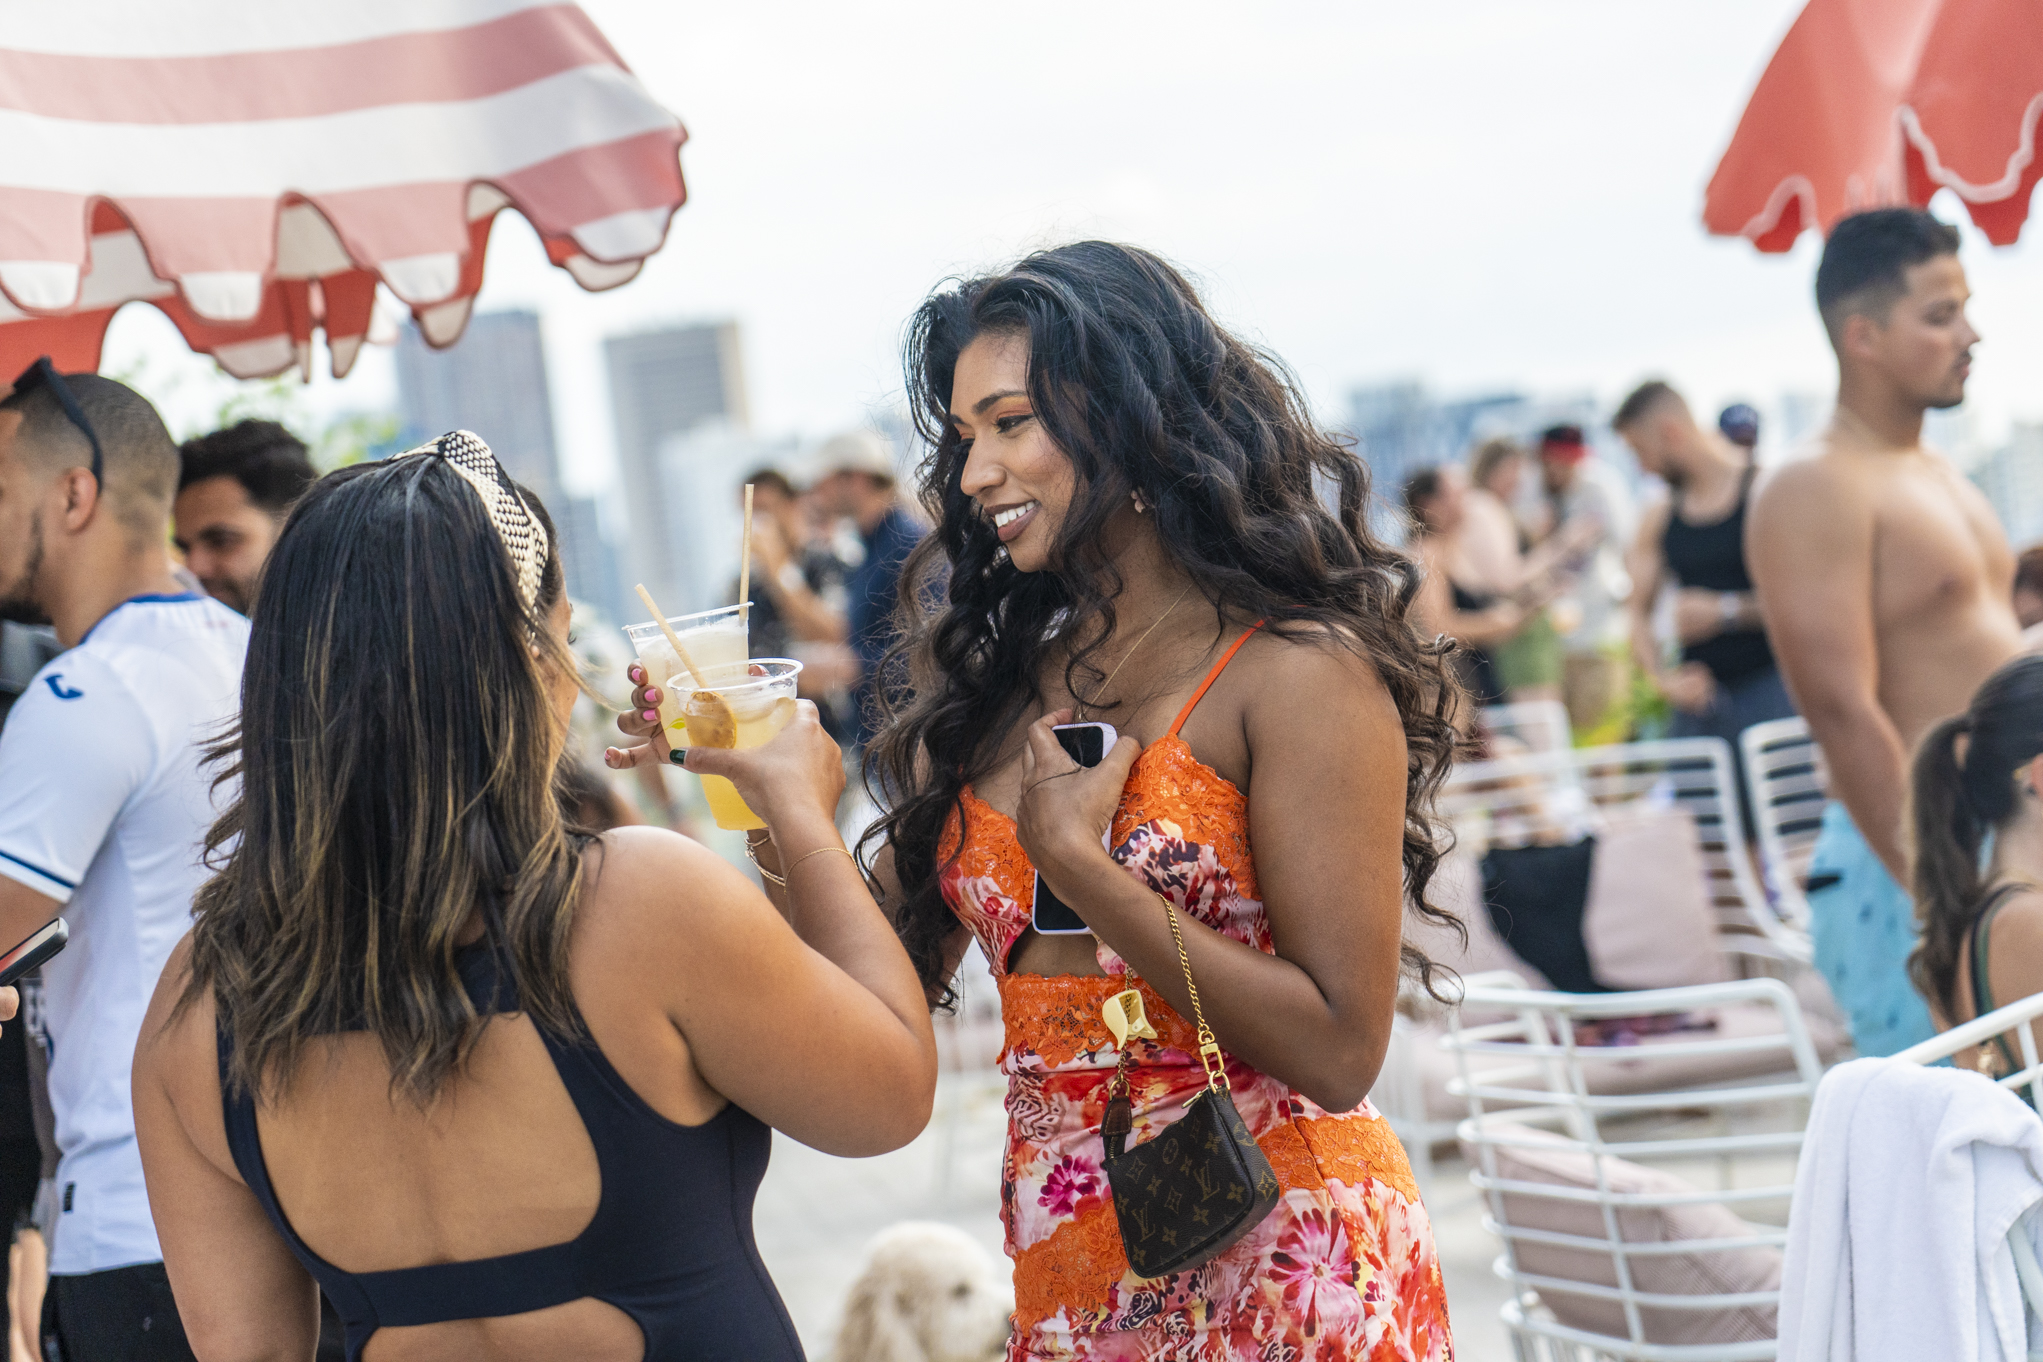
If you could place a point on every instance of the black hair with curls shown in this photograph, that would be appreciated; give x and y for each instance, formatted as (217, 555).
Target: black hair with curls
(1142, 391)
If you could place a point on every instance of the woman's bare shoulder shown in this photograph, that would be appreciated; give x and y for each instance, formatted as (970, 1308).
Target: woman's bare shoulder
(650, 889)
(2020, 920)
(1313, 652)
(630, 855)
(172, 1032)
(1310, 671)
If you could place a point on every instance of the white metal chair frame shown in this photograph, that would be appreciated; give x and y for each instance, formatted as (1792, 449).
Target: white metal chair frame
(1538, 1077)
(1488, 802)
(1542, 725)
(2020, 1018)
(1400, 1091)
(1786, 787)
(1692, 774)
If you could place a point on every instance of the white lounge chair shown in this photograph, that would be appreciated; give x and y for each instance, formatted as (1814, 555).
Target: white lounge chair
(1541, 725)
(1624, 1215)
(1786, 788)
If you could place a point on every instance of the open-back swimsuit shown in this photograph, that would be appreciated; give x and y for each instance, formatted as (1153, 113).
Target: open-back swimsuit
(670, 1243)
(1343, 1268)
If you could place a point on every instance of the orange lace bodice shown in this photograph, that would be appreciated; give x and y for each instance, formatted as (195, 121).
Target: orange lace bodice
(1344, 1266)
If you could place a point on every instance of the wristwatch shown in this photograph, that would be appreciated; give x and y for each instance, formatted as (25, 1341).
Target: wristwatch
(1729, 605)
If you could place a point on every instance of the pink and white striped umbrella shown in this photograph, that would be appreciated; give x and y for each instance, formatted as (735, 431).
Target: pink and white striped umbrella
(255, 167)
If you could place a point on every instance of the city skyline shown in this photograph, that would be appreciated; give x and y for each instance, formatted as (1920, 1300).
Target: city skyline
(496, 383)
(666, 384)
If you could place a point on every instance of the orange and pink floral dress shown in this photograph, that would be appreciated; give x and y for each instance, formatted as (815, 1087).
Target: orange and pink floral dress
(1343, 1268)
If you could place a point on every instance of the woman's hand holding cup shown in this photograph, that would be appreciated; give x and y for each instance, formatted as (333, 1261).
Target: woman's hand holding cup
(640, 721)
(792, 780)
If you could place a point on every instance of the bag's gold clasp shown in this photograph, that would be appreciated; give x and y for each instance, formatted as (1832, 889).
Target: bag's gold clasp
(1216, 1067)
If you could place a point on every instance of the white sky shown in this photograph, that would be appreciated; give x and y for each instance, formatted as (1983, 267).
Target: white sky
(1481, 194)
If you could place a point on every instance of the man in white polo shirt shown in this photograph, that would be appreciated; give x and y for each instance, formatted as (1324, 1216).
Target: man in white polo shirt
(103, 807)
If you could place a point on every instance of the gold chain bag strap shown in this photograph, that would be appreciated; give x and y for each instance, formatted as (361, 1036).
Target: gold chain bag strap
(1189, 1193)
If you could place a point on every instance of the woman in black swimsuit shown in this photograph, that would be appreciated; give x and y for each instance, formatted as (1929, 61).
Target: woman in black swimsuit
(501, 1088)
(1979, 773)
(1478, 619)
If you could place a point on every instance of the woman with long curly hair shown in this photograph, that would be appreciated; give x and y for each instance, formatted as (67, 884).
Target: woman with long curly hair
(1138, 523)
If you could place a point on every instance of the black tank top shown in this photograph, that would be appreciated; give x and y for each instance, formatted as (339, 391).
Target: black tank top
(1479, 674)
(1712, 558)
(670, 1244)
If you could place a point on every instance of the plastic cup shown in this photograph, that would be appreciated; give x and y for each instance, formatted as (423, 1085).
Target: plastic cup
(761, 696)
(713, 638)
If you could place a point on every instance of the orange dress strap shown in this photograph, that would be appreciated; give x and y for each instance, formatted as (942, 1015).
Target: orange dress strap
(1213, 676)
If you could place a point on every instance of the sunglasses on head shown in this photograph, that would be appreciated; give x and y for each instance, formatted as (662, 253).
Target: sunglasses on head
(43, 374)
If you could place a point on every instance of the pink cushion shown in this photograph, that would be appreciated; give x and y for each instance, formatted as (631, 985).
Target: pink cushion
(1551, 1161)
(1649, 923)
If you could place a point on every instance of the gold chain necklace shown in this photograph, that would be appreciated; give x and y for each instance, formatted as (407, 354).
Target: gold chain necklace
(1138, 644)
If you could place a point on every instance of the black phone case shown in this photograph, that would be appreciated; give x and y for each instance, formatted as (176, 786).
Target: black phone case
(56, 941)
(1048, 912)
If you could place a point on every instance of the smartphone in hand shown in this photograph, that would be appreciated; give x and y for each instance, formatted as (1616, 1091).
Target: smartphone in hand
(1088, 745)
(41, 944)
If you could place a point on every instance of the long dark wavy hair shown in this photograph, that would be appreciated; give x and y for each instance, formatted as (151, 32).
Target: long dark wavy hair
(1143, 391)
(1954, 803)
(395, 755)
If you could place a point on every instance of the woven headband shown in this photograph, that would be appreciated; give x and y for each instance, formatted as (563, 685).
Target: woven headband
(524, 537)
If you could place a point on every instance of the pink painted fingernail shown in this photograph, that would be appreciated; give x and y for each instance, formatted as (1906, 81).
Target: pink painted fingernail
(649, 715)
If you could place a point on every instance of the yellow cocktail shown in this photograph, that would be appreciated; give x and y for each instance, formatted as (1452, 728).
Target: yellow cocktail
(760, 696)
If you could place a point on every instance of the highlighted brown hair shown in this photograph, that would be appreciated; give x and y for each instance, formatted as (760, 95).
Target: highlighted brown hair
(394, 751)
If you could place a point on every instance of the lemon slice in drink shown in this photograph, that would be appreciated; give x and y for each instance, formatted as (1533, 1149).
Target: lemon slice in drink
(710, 721)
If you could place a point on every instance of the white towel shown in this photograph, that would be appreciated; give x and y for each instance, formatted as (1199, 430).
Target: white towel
(1910, 1180)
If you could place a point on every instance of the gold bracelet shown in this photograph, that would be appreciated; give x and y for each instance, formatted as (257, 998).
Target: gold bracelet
(822, 851)
(779, 881)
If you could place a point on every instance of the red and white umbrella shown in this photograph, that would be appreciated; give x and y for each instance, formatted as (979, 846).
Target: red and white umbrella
(255, 167)
(1871, 102)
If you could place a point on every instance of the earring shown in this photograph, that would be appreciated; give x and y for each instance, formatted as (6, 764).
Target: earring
(1141, 506)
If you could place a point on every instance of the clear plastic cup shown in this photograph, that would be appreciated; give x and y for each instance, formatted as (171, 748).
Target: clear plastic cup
(761, 696)
(713, 638)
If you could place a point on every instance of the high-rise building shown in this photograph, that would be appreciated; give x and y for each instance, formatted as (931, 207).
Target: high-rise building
(493, 382)
(665, 384)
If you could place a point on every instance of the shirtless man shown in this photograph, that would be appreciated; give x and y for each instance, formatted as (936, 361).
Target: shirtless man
(1885, 582)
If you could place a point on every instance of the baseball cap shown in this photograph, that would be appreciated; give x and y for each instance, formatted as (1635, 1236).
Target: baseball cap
(1563, 444)
(856, 451)
(1740, 424)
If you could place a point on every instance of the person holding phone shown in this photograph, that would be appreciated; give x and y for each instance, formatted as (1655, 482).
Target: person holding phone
(498, 1087)
(1129, 517)
(102, 807)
